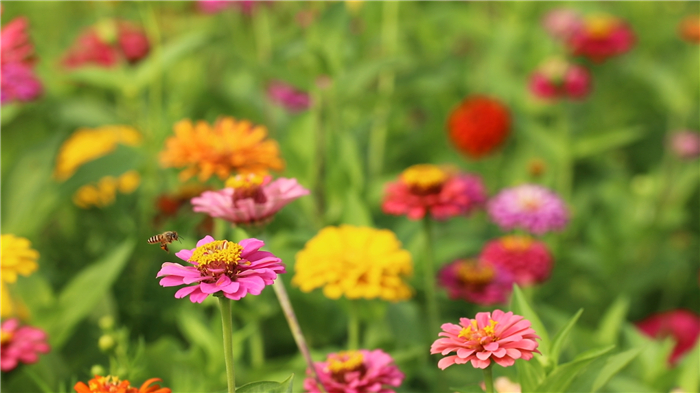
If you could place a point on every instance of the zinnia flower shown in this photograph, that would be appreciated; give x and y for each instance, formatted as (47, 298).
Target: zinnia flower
(689, 29)
(478, 125)
(442, 192)
(601, 37)
(106, 43)
(528, 260)
(289, 97)
(19, 83)
(360, 371)
(17, 258)
(15, 45)
(104, 191)
(111, 384)
(685, 144)
(501, 337)
(223, 268)
(20, 344)
(561, 23)
(229, 146)
(476, 282)
(249, 199)
(531, 207)
(682, 325)
(558, 78)
(355, 262)
(215, 6)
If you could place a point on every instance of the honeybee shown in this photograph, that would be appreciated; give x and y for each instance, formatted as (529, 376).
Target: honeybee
(164, 239)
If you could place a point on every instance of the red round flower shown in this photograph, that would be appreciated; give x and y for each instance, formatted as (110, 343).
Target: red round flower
(682, 325)
(526, 259)
(479, 125)
(689, 29)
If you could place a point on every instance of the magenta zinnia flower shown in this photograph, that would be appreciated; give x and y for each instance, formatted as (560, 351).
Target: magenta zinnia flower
(685, 144)
(249, 199)
(20, 344)
(215, 6)
(429, 189)
(558, 78)
(476, 282)
(531, 207)
(360, 371)
(501, 337)
(288, 96)
(682, 325)
(234, 269)
(528, 260)
(600, 37)
(18, 83)
(561, 23)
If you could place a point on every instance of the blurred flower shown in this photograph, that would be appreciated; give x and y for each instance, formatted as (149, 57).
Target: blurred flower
(601, 36)
(557, 78)
(228, 146)
(354, 6)
(685, 144)
(689, 28)
(249, 199)
(561, 23)
(355, 262)
(441, 191)
(15, 45)
(287, 96)
(247, 7)
(306, 17)
(531, 207)
(20, 344)
(106, 43)
(682, 325)
(111, 384)
(536, 167)
(503, 385)
(17, 258)
(104, 191)
(356, 371)
(478, 126)
(498, 336)
(168, 204)
(476, 282)
(19, 83)
(528, 260)
(222, 268)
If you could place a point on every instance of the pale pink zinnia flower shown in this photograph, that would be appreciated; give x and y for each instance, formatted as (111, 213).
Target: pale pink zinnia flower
(685, 144)
(682, 325)
(501, 337)
(20, 344)
(476, 282)
(430, 189)
(601, 37)
(561, 23)
(234, 269)
(288, 96)
(558, 78)
(527, 259)
(531, 207)
(360, 371)
(249, 199)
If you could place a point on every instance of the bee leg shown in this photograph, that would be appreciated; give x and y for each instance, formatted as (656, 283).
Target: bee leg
(164, 246)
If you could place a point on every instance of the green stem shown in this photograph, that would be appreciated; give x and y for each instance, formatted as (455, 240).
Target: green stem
(429, 275)
(566, 164)
(353, 327)
(261, 30)
(488, 379)
(225, 307)
(257, 346)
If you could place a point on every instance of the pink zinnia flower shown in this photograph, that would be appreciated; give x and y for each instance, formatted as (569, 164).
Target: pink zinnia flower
(221, 267)
(360, 371)
(476, 282)
(441, 192)
(289, 97)
(215, 6)
(682, 325)
(249, 199)
(600, 37)
(20, 344)
(15, 45)
(107, 43)
(561, 23)
(528, 260)
(685, 144)
(531, 207)
(18, 83)
(557, 78)
(501, 337)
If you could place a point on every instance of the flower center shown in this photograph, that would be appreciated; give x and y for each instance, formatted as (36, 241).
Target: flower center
(529, 201)
(484, 335)
(600, 26)
(469, 272)
(108, 384)
(247, 186)
(5, 337)
(344, 362)
(424, 178)
(516, 243)
(218, 257)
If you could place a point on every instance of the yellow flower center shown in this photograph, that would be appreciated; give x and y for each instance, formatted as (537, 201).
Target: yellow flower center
(220, 255)
(473, 333)
(472, 273)
(600, 26)
(5, 337)
(424, 177)
(344, 361)
(100, 384)
(247, 186)
(516, 243)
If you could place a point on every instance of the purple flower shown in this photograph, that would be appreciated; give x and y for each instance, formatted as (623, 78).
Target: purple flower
(530, 207)
(19, 83)
(287, 96)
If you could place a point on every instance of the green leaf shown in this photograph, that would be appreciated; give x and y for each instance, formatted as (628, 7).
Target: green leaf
(689, 377)
(562, 376)
(558, 340)
(85, 291)
(611, 322)
(530, 374)
(116, 78)
(614, 364)
(116, 163)
(355, 211)
(520, 306)
(586, 146)
(268, 386)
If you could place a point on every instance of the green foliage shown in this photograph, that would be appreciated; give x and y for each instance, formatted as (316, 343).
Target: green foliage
(268, 387)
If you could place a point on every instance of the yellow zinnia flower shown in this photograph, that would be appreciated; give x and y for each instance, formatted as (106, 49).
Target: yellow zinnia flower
(17, 258)
(104, 192)
(355, 262)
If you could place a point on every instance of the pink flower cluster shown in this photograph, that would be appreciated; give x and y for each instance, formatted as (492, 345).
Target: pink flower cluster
(19, 83)
(558, 78)
(288, 96)
(530, 207)
(360, 371)
(106, 44)
(20, 344)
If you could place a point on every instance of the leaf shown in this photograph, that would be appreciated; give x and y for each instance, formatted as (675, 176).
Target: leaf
(85, 291)
(689, 377)
(520, 306)
(614, 364)
(116, 163)
(586, 146)
(530, 374)
(268, 387)
(355, 211)
(561, 336)
(562, 376)
(611, 322)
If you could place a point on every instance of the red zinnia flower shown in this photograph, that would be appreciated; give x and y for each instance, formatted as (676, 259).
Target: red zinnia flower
(682, 325)
(526, 259)
(479, 125)
(106, 43)
(600, 37)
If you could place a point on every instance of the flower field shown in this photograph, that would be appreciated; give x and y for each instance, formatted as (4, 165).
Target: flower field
(350, 197)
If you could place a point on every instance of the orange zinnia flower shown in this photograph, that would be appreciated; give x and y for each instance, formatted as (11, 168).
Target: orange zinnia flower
(229, 146)
(110, 384)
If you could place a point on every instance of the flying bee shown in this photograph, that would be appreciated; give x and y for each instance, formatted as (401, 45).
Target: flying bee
(164, 239)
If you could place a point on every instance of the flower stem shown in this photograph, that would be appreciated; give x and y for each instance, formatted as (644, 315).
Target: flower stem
(488, 379)
(429, 275)
(225, 307)
(286, 305)
(566, 164)
(353, 327)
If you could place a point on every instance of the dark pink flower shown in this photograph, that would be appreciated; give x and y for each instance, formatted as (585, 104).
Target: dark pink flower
(476, 282)
(528, 260)
(682, 325)
(360, 371)
(18, 83)
(501, 337)
(15, 45)
(429, 189)
(106, 44)
(289, 97)
(20, 344)
(561, 23)
(557, 78)
(215, 6)
(601, 37)
(133, 42)
(222, 268)
(685, 144)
